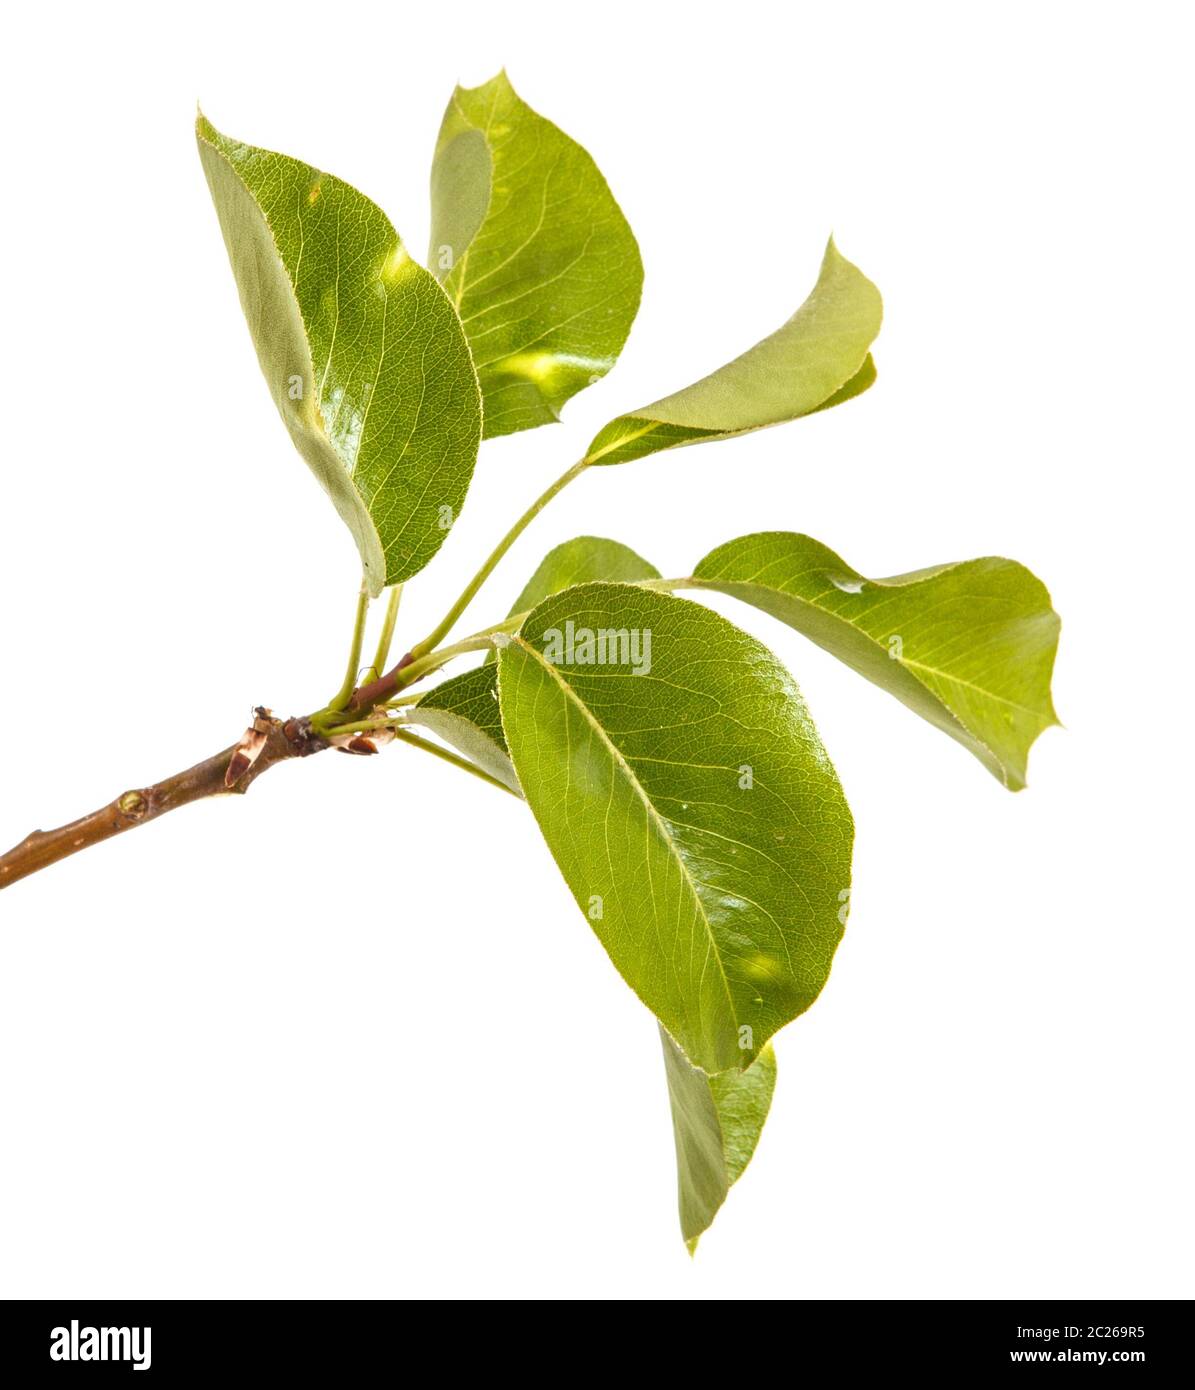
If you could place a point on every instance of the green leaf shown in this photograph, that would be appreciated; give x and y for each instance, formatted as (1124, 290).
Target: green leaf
(818, 359)
(690, 807)
(968, 646)
(535, 253)
(464, 710)
(581, 561)
(716, 1122)
(360, 347)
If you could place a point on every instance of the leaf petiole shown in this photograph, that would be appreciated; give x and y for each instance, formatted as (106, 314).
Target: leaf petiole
(349, 684)
(382, 655)
(470, 591)
(404, 735)
(418, 661)
(424, 665)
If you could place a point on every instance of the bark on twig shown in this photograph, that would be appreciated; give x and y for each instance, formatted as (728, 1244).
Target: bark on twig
(377, 692)
(268, 741)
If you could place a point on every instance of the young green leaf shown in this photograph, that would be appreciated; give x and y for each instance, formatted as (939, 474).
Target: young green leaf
(818, 359)
(534, 251)
(362, 352)
(581, 561)
(968, 646)
(464, 709)
(716, 1122)
(680, 784)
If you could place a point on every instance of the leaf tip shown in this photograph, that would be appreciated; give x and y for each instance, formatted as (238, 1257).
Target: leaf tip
(832, 256)
(834, 260)
(1016, 779)
(499, 82)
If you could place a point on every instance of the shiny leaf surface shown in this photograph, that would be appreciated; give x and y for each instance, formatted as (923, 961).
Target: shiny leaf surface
(970, 646)
(533, 250)
(361, 350)
(690, 807)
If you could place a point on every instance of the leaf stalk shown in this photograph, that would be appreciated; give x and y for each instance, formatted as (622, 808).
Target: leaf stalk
(349, 684)
(470, 591)
(382, 655)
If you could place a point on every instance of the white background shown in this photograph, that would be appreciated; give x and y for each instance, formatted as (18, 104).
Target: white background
(349, 1036)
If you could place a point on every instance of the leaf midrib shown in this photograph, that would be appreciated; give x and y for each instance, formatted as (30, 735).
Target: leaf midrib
(654, 816)
(459, 294)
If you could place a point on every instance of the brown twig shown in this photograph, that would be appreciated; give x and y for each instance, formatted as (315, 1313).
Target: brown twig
(377, 692)
(268, 741)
